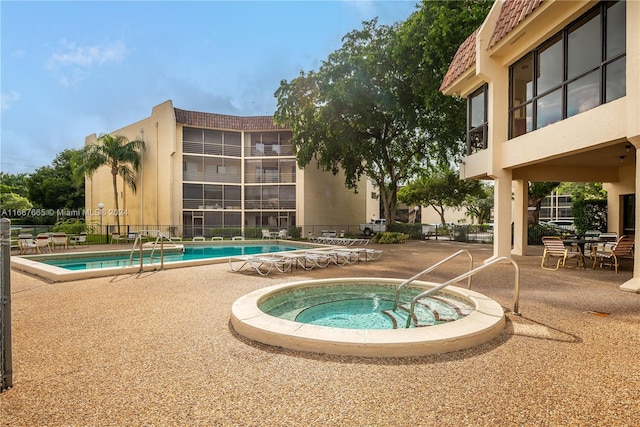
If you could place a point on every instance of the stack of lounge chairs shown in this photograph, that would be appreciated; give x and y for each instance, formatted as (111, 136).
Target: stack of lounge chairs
(343, 241)
(307, 260)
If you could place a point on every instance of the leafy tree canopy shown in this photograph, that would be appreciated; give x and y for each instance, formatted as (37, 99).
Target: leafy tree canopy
(583, 190)
(353, 115)
(52, 187)
(479, 204)
(14, 183)
(428, 41)
(441, 190)
(10, 201)
(365, 111)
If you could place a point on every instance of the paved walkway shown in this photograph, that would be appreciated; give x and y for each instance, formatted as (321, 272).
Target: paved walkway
(157, 349)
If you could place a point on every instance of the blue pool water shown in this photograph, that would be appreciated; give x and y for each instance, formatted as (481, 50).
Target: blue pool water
(191, 253)
(363, 306)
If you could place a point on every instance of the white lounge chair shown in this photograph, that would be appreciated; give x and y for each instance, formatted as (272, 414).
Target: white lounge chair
(262, 264)
(370, 254)
(339, 256)
(313, 259)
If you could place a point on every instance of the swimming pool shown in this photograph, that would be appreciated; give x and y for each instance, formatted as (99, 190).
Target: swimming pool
(190, 253)
(81, 265)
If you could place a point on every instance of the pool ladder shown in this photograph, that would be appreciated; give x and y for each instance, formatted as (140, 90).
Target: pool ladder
(159, 238)
(457, 279)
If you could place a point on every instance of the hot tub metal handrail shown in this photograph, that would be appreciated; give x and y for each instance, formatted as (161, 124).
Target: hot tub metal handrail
(430, 269)
(468, 274)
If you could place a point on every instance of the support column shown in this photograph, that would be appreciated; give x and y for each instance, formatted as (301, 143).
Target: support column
(520, 217)
(502, 215)
(633, 285)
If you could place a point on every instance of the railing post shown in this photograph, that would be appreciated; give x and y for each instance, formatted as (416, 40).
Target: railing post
(6, 355)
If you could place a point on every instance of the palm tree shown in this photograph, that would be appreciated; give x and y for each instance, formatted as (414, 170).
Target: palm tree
(116, 152)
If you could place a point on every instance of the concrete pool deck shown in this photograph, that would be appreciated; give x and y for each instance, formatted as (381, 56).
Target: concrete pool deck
(156, 348)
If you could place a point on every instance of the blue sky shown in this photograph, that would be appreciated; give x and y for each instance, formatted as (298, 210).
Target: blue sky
(71, 69)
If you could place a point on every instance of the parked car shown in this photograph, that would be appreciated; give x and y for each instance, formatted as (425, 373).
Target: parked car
(373, 227)
(562, 224)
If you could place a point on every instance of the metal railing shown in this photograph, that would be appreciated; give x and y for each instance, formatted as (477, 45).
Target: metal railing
(430, 269)
(468, 274)
(160, 237)
(6, 355)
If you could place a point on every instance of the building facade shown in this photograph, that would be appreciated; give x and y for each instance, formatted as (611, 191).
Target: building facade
(202, 172)
(553, 90)
(556, 206)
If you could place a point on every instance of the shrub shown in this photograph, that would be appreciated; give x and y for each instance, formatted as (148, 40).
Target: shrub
(295, 232)
(70, 226)
(390, 237)
(590, 215)
(537, 231)
(413, 230)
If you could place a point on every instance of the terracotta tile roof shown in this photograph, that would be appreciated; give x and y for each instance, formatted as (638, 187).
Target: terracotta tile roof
(512, 13)
(223, 121)
(464, 58)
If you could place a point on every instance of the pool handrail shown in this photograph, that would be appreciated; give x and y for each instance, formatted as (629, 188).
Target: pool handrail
(468, 274)
(430, 269)
(159, 236)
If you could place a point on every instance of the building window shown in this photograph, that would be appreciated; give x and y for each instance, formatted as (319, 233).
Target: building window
(211, 142)
(581, 67)
(477, 121)
(266, 144)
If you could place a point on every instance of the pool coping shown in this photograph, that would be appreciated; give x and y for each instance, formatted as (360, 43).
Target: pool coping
(30, 264)
(482, 325)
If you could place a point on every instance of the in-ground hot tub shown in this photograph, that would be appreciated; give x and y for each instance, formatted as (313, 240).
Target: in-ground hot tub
(482, 320)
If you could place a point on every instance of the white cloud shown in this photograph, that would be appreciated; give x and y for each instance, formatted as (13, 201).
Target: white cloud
(6, 99)
(72, 63)
(87, 56)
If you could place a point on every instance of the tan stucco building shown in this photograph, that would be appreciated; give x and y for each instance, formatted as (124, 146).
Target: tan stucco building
(203, 171)
(553, 90)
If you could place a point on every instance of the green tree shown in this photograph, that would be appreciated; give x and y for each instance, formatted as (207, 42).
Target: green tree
(428, 41)
(589, 205)
(11, 201)
(353, 114)
(583, 190)
(13, 193)
(441, 190)
(480, 203)
(53, 187)
(14, 183)
(117, 153)
(537, 192)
